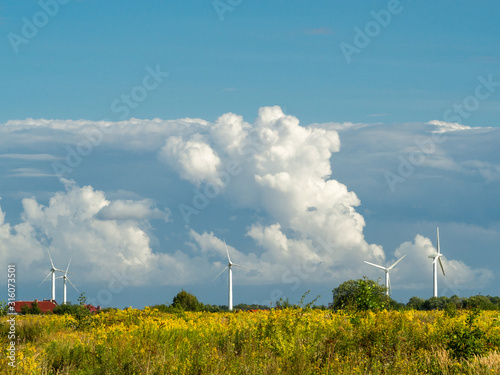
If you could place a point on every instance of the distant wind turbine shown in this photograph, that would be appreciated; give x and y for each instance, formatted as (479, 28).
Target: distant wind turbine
(230, 276)
(386, 269)
(436, 257)
(66, 278)
(52, 272)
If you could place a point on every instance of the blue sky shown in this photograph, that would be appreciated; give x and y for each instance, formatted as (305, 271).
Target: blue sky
(280, 52)
(431, 69)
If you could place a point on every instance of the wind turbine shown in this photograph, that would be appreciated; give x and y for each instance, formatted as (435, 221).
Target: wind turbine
(66, 278)
(437, 256)
(230, 276)
(52, 272)
(386, 269)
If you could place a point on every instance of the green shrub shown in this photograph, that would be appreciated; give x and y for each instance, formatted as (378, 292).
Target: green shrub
(467, 340)
(360, 295)
(33, 309)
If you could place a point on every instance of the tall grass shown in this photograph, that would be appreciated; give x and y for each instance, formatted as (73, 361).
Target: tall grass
(290, 341)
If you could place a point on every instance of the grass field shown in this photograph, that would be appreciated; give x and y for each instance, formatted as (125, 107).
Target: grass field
(290, 341)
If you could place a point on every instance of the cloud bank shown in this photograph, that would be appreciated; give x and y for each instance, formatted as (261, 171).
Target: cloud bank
(305, 221)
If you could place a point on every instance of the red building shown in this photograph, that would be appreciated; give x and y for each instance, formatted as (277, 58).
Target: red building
(45, 305)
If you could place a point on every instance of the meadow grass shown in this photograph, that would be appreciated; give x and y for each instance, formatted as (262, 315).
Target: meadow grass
(290, 341)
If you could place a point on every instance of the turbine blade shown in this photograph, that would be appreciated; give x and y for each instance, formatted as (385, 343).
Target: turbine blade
(438, 249)
(399, 260)
(51, 262)
(67, 268)
(375, 265)
(73, 285)
(237, 265)
(221, 272)
(46, 277)
(227, 252)
(441, 264)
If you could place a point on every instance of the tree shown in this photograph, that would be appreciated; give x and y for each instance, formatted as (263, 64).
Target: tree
(66, 309)
(415, 303)
(495, 301)
(187, 302)
(481, 302)
(361, 294)
(436, 303)
(33, 309)
(457, 301)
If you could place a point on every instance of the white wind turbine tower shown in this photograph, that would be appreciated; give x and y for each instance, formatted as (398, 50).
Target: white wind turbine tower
(230, 276)
(436, 257)
(66, 278)
(52, 272)
(386, 269)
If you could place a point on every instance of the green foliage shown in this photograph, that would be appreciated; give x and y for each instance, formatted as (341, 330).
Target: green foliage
(435, 303)
(457, 301)
(495, 301)
(288, 341)
(480, 302)
(214, 308)
(451, 310)
(286, 304)
(82, 314)
(444, 303)
(66, 309)
(360, 295)
(467, 340)
(82, 300)
(308, 305)
(4, 307)
(245, 307)
(186, 302)
(33, 309)
(31, 331)
(415, 303)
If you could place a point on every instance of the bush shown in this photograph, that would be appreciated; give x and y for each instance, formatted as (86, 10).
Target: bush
(443, 303)
(4, 307)
(66, 309)
(451, 310)
(480, 302)
(415, 303)
(436, 303)
(466, 340)
(33, 309)
(186, 302)
(360, 295)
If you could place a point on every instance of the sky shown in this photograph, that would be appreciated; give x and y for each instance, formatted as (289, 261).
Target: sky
(137, 139)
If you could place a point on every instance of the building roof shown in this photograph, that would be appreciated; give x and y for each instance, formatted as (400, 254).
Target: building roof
(45, 306)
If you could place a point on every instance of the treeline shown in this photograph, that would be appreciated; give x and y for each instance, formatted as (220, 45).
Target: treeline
(441, 303)
(352, 295)
(185, 301)
(366, 294)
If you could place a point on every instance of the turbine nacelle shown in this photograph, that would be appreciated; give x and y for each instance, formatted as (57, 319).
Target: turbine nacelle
(66, 278)
(386, 269)
(436, 256)
(229, 267)
(52, 273)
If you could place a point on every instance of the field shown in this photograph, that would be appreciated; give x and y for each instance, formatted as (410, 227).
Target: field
(290, 341)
